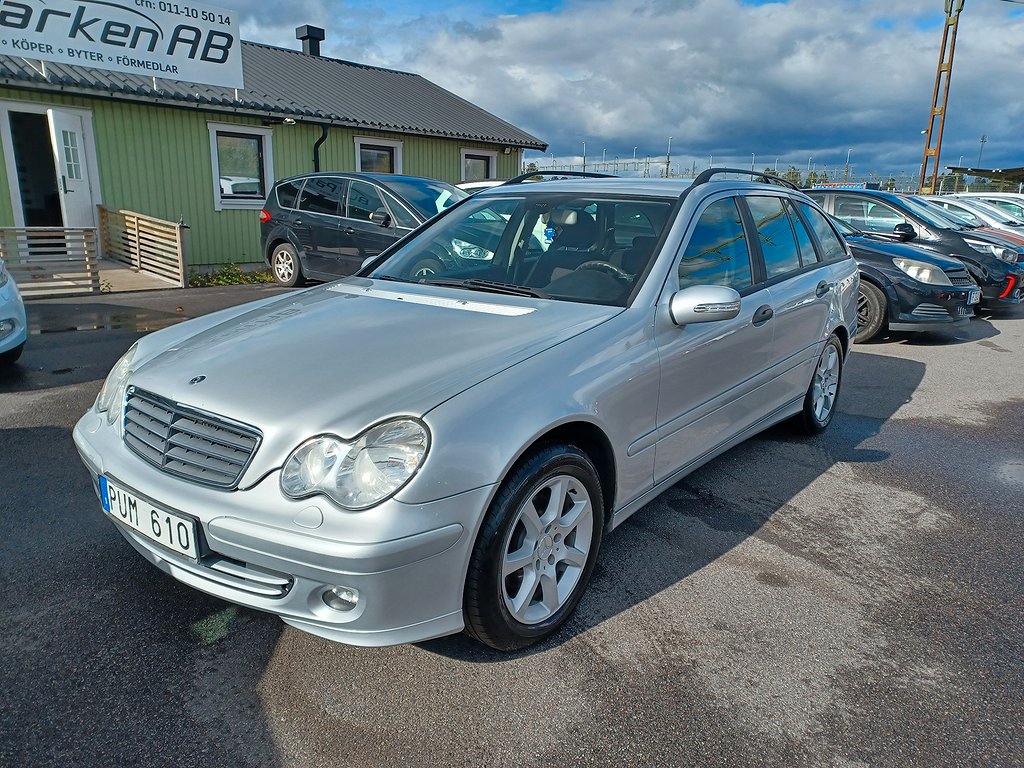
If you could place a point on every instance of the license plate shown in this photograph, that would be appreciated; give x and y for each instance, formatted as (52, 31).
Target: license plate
(974, 297)
(167, 529)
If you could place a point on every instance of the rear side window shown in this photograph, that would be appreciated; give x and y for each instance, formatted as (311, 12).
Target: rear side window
(717, 252)
(775, 235)
(322, 194)
(808, 255)
(831, 246)
(288, 193)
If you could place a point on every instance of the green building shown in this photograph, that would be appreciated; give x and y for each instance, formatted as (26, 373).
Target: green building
(76, 139)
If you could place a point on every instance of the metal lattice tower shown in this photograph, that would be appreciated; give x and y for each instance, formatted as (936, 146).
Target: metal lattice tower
(940, 96)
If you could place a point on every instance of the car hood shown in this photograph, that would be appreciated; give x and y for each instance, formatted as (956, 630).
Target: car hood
(341, 357)
(873, 251)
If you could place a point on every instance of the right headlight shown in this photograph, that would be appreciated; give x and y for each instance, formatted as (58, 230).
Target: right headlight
(360, 473)
(999, 251)
(922, 271)
(111, 397)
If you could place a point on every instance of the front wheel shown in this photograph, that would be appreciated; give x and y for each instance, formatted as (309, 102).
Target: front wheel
(536, 550)
(11, 356)
(872, 309)
(823, 392)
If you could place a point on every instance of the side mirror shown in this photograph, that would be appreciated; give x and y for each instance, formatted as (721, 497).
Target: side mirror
(904, 231)
(381, 217)
(703, 304)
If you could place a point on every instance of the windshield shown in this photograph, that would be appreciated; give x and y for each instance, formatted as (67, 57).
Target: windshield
(567, 247)
(931, 214)
(429, 197)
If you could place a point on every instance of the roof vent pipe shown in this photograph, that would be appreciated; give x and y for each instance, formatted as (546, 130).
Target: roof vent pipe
(311, 37)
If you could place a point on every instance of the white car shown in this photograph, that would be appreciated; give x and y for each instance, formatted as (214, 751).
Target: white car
(13, 329)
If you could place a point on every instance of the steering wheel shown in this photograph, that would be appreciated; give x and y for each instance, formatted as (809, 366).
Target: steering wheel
(605, 266)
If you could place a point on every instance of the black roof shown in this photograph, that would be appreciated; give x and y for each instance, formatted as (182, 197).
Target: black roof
(280, 82)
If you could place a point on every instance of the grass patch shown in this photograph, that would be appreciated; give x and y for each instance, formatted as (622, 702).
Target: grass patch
(229, 274)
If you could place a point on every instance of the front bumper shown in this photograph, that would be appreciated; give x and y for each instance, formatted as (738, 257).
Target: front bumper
(916, 306)
(262, 550)
(13, 326)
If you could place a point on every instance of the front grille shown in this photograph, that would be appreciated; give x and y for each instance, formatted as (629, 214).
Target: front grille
(933, 311)
(958, 276)
(200, 447)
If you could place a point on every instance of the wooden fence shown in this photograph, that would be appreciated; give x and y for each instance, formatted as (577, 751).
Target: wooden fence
(145, 243)
(51, 261)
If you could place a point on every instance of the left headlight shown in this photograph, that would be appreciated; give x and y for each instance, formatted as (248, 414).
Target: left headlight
(360, 473)
(922, 271)
(111, 397)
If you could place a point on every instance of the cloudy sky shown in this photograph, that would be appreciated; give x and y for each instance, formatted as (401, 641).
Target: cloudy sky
(793, 82)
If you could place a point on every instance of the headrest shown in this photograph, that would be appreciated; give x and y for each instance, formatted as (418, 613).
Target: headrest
(563, 217)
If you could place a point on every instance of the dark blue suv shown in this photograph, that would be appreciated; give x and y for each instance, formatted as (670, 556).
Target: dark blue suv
(325, 225)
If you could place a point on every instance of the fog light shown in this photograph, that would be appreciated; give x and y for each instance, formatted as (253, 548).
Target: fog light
(341, 598)
(6, 328)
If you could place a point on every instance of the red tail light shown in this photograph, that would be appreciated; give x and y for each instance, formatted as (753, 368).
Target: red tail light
(1011, 280)
(264, 216)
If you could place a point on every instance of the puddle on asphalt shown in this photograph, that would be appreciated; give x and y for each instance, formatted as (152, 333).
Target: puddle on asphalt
(1011, 472)
(99, 318)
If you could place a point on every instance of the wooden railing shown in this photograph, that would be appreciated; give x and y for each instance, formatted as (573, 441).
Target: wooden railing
(51, 261)
(145, 243)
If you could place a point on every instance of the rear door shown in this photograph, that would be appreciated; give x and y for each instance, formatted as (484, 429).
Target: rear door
(711, 373)
(801, 290)
(316, 224)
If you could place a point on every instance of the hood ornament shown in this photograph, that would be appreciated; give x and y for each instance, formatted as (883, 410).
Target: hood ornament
(196, 379)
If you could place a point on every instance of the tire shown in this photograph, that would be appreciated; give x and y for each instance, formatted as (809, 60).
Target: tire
(823, 393)
(426, 268)
(285, 266)
(11, 355)
(872, 311)
(534, 557)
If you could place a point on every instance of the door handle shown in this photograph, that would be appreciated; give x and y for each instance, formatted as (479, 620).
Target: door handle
(349, 231)
(763, 314)
(64, 183)
(822, 289)
(298, 222)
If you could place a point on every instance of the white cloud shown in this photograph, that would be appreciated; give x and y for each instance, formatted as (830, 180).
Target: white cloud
(788, 79)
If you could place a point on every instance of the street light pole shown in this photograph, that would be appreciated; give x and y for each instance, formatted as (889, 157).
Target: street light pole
(584, 156)
(846, 173)
(752, 156)
(635, 166)
(668, 157)
(984, 138)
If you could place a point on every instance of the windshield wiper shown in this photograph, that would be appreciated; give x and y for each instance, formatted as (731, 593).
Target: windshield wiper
(390, 278)
(488, 286)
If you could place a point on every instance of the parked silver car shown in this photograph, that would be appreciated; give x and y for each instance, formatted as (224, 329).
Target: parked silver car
(393, 457)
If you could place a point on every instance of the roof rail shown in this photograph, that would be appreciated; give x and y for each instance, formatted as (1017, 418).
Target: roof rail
(705, 176)
(528, 176)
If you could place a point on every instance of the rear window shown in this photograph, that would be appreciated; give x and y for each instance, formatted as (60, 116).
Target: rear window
(288, 193)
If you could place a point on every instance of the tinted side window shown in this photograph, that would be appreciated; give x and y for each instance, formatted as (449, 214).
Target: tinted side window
(322, 195)
(867, 215)
(288, 193)
(717, 252)
(831, 246)
(363, 199)
(778, 244)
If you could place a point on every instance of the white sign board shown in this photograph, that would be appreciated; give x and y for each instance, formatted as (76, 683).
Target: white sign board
(153, 38)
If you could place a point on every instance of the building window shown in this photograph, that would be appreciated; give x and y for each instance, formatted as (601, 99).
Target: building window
(242, 165)
(378, 155)
(479, 165)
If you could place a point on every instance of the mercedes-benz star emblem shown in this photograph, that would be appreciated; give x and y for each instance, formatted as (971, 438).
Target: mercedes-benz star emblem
(196, 379)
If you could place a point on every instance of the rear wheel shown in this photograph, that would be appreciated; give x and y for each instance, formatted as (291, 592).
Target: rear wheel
(823, 393)
(285, 266)
(872, 309)
(536, 550)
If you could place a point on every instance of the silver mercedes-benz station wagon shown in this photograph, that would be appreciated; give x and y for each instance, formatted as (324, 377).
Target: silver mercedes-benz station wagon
(441, 442)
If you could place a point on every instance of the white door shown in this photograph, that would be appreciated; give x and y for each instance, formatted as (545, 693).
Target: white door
(69, 158)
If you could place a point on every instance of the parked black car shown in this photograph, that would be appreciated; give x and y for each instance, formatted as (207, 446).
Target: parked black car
(325, 225)
(997, 265)
(903, 288)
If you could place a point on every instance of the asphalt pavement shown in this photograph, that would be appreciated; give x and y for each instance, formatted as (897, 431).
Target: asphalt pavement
(852, 599)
